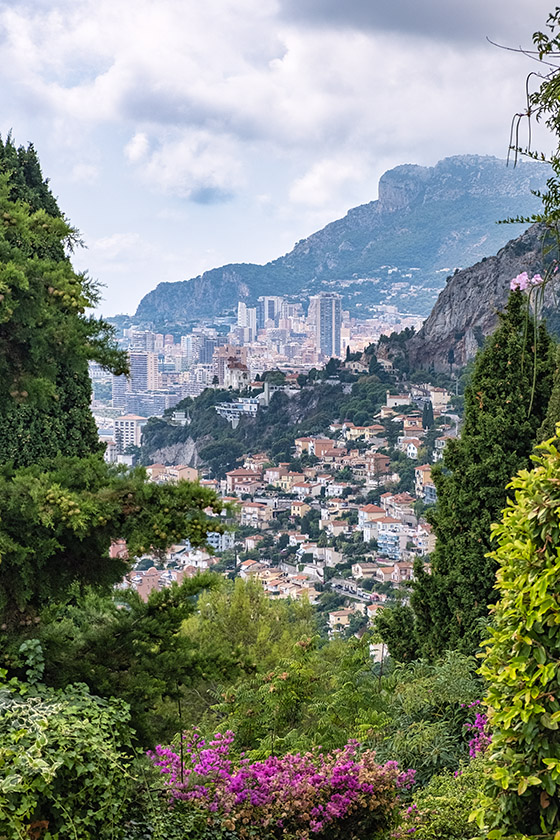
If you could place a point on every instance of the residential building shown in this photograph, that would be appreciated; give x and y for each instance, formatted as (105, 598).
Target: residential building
(377, 468)
(368, 514)
(119, 390)
(364, 571)
(422, 476)
(268, 309)
(128, 431)
(299, 509)
(256, 515)
(394, 400)
(328, 323)
(410, 446)
(221, 542)
(391, 537)
(181, 473)
(236, 375)
(240, 480)
(439, 446)
(339, 619)
(143, 371)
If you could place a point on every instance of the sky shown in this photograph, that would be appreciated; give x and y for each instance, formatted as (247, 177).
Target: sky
(181, 135)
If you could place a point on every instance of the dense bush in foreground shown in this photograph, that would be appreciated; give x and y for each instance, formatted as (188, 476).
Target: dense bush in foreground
(64, 771)
(342, 794)
(441, 810)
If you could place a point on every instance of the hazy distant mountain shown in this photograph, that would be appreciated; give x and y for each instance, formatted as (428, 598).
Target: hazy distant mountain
(427, 222)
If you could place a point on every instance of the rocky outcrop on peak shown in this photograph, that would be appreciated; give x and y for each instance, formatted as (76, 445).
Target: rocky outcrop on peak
(466, 309)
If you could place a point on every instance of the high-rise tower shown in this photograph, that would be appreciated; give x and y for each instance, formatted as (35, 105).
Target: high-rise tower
(328, 314)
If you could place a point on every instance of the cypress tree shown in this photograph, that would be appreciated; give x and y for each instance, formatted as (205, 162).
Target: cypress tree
(505, 405)
(428, 415)
(548, 428)
(46, 340)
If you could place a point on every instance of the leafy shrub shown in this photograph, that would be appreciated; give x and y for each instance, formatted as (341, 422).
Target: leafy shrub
(521, 662)
(431, 708)
(63, 770)
(182, 822)
(335, 795)
(440, 811)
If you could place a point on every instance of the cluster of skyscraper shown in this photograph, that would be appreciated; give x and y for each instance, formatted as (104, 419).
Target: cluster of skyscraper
(325, 313)
(163, 371)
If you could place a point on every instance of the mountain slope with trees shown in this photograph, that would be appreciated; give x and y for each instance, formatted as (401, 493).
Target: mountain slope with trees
(426, 222)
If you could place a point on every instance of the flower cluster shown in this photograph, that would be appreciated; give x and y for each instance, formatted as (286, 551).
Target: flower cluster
(523, 282)
(342, 793)
(480, 741)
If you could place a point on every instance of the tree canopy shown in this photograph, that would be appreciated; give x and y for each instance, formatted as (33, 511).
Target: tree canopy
(46, 338)
(505, 404)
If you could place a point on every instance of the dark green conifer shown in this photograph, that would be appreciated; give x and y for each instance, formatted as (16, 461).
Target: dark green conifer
(505, 405)
(548, 428)
(427, 415)
(46, 340)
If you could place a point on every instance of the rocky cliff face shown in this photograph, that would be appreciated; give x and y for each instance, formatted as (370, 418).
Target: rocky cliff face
(185, 452)
(430, 218)
(466, 310)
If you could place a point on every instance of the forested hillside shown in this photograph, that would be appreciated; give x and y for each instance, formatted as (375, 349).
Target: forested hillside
(210, 438)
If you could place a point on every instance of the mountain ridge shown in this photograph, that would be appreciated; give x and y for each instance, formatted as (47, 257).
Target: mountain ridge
(426, 220)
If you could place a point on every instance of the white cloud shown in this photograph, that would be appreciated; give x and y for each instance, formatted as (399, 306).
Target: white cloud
(236, 100)
(84, 173)
(114, 246)
(325, 180)
(192, 164)
(137, 148)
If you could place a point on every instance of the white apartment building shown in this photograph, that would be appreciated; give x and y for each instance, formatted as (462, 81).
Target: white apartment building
(143, 371)
(128, 431)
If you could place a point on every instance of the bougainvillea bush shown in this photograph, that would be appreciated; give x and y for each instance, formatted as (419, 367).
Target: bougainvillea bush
(341, 794)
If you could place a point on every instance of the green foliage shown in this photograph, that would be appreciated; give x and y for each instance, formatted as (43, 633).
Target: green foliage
(222, 456)
(155, 820)
(441, 810)
(120, 646)
(428, 705)
(273, 429)
(46, 339)
(25, 179)
(506, 402)
(238, 624)
(57, 527)
(315, 695)
(428, 416)
(522, 654)
(238, 632)
(395, 625)
(324, 693)
(548, 427)
(64, 769)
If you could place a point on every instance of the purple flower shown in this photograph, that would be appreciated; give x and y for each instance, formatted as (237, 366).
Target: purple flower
(301, 794)
(481, 739)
